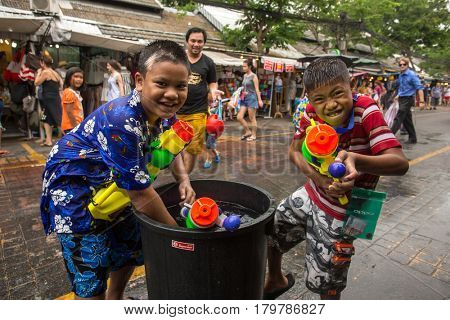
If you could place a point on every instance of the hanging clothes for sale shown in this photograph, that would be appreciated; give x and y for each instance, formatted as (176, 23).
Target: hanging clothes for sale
(94, 70)
(126, 77)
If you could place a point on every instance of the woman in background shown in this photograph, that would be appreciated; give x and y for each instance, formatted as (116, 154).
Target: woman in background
(115, 82)
(250, 102)
(72, 107)
(51, 84)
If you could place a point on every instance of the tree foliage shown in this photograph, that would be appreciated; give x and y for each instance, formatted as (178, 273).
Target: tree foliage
(263, 21)
(415, 28)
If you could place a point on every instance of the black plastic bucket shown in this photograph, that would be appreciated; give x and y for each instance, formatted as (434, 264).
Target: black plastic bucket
(183, 263)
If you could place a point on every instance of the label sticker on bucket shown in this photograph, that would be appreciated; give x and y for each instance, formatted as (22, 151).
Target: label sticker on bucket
(183, 245)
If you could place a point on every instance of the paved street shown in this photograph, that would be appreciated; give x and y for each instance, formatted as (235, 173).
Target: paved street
(409, 257)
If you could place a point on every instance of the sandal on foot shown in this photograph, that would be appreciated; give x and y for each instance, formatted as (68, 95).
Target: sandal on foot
(245, 136)
(275, 294)
(251, 138)
(46, 145)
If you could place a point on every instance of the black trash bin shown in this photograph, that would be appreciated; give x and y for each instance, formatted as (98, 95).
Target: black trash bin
(183, 263)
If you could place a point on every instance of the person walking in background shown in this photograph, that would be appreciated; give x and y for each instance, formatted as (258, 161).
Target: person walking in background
(51, 83)
(446, 95)
(409, 83)
(72, 108)
(250, 102)
(379, 91)
(211, 151)
(115, 82)
(201, 81)
(62, 71)
(426, 95)
(364, 87)
(436, 93)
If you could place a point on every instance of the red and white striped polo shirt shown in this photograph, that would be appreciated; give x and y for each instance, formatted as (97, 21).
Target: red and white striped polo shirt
(369, 136)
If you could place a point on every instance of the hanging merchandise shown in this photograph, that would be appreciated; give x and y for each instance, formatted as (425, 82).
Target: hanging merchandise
(25, 74)
(126, 76)
(11, 74)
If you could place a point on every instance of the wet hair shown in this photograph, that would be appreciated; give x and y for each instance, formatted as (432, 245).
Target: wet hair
(196, 30)
(325, 71)
(115, 65)
(161, 51)
(69, 75)
(47, 60)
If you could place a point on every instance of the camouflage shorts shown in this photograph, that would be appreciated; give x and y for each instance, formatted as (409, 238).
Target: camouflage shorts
(328, 254)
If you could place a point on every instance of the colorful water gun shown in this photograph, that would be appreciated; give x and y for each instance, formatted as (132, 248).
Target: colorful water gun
(110, 200)
(205, 213)
(320, 149)
(214, 124)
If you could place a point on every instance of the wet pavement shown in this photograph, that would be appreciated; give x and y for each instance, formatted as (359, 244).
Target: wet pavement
(409, 257)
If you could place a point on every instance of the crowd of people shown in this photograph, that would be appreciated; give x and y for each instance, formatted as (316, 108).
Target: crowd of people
(60, 97)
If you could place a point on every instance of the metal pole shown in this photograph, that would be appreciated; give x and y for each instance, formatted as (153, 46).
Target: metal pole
(271, 97)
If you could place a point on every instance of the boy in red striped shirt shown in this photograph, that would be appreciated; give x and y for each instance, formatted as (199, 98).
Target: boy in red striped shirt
(313, 213)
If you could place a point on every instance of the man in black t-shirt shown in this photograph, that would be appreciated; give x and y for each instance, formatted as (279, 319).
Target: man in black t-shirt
(201, 81)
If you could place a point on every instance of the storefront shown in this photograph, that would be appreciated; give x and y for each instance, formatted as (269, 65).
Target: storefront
(279, 84)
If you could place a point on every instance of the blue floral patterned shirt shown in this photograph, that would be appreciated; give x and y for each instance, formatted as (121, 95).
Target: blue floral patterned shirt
(110, 144)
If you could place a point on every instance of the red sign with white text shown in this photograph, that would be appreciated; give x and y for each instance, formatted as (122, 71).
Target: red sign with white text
(268, 65)
(183, 245)
(289, 68)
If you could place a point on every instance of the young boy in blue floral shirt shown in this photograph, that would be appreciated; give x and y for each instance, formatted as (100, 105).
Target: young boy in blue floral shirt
(110, 145)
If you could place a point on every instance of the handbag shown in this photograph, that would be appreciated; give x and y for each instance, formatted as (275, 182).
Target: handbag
(28, 104)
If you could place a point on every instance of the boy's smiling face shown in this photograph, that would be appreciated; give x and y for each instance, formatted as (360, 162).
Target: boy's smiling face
(332, 103)
(163, 90)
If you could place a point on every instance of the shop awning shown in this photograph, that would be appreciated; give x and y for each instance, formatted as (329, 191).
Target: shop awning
(347, 59)
(222, 59)
(106, 42)
(280, 60)
(88, 34)
(368, 70)
(25, 25)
